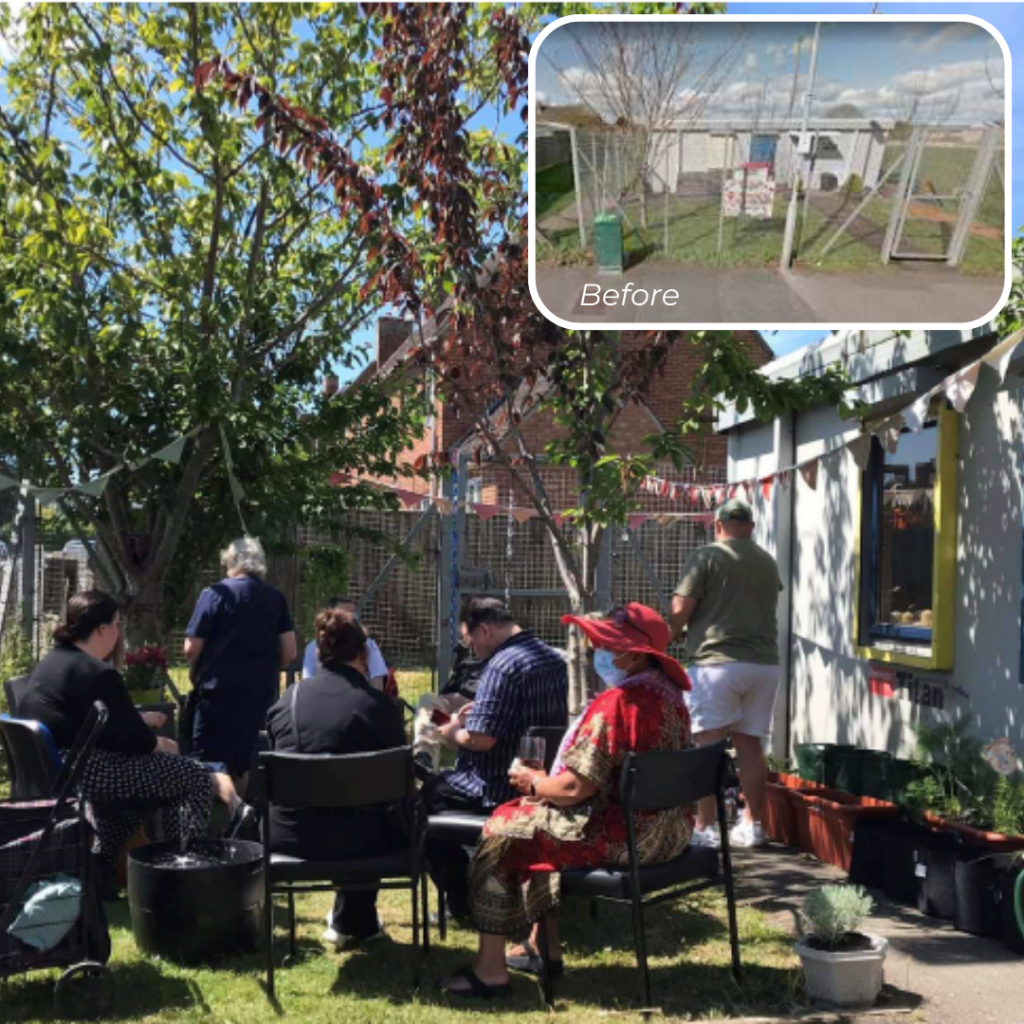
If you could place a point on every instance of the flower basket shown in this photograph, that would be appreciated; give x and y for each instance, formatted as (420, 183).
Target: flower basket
(145, 673)
(995, 841)
(781, 810)
(827, 823)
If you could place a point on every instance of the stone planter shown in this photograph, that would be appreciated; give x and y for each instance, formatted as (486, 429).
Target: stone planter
(845, 980)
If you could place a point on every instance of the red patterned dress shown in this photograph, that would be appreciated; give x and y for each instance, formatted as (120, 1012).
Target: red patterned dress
(514, 873)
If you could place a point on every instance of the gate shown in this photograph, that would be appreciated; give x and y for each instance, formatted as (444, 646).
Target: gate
(938, 197)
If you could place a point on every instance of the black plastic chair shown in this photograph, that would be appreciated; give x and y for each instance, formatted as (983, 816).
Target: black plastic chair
(375, 779)
(33, 763)
(656, 781)
(14, 690)
(463, 828)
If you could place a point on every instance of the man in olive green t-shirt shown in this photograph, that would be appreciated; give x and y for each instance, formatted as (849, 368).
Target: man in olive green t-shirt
(727, 602)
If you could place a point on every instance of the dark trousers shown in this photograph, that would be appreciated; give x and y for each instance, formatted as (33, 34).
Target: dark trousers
(355, 914)
(447, 862)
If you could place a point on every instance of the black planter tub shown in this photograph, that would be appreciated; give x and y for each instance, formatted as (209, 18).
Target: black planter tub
(195, 906)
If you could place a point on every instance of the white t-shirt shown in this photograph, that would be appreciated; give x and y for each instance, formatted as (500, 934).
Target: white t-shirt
(375, 660)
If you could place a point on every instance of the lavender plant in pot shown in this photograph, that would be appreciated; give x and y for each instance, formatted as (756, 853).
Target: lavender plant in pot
(843, 967)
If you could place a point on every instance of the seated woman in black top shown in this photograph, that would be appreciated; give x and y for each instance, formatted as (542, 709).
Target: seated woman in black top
(132, 768)
(336, 711)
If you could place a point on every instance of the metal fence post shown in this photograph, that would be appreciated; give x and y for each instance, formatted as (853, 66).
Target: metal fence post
(28, 566)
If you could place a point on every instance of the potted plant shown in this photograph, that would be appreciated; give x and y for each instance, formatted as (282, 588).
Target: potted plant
(843, 967)
(145, 672)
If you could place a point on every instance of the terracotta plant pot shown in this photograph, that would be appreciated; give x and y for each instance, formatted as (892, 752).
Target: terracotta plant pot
(847, 980)
(781, 810)
(991, 840)
(830, 817)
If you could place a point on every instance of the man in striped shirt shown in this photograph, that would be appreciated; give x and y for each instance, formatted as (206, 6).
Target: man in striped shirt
(525, 683)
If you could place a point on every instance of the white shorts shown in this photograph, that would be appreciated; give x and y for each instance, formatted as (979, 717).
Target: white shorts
(737, 695)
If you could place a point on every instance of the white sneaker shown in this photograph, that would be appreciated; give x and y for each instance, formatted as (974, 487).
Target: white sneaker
(709, 837)
(748, 834)
(343, 942)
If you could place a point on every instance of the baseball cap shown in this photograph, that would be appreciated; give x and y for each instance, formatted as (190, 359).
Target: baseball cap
(736, 510)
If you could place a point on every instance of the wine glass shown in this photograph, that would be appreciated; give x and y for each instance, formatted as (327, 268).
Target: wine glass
(531, 752)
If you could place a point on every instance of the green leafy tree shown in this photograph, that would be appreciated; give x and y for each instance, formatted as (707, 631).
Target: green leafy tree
(162, 269)
(463, 266)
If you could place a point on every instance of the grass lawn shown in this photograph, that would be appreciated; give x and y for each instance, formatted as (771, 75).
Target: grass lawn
(554, 189)
(687, 943)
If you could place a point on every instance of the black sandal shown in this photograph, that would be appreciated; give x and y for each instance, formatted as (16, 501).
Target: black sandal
(477, 988)
(531, 962)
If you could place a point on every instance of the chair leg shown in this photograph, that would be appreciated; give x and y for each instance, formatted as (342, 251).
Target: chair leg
(268, 938)
(442, 915)
(640, 938)
(545, 970)
(425, 907)
(291, 924)
(734, 938)
(415, 915)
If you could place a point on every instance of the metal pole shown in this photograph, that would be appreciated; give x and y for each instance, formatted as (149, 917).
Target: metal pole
(603, 576)
(576, 185)
(791, 213)
(898, 216)
(977, 183)
(28, 566)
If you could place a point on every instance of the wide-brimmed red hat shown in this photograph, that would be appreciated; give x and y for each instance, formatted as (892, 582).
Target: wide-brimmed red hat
(634, 627)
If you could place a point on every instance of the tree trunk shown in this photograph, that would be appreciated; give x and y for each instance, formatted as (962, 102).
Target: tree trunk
(143, 610)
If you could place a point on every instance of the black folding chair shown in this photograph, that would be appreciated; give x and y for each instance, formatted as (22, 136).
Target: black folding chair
(657, 781)
(33, 762)
(463, 828)
(377, 779)
(14, 690)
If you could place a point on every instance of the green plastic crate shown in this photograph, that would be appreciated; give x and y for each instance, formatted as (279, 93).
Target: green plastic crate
(608, 248)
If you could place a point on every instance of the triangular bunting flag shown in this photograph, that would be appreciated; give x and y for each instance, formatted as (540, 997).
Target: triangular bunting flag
(734, 490)
(999, 357)
(706, 519)
(665, 520)
(960, 386)
(860, 449)
(409, 499)
(766, 487)
(637, 520)
(521, 515)
(46, 495)
(809, 471)
(7, 482)
(95, 488)
(171, 452)
(444, 506)
(786, 479)
(338, 478)
(915, 415)
(889, 435)
(486, 512)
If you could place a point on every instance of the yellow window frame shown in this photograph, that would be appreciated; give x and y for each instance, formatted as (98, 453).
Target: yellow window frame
(940, 656)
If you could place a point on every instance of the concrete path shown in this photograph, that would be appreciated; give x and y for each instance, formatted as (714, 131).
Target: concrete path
(898, 294)
(934, 974)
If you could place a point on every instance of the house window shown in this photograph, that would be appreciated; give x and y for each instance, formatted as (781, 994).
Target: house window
(475, 490)
(900, 493)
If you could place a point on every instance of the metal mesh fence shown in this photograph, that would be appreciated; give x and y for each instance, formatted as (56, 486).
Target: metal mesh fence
(499, 556)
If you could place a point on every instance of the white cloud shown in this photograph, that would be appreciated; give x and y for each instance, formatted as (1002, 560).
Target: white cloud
(9, 42)
(750, 62)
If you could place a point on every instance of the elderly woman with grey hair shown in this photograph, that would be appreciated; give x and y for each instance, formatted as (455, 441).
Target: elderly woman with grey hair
(239, 638)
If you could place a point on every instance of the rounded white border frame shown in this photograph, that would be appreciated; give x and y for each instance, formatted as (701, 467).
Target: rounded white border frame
(792, 18)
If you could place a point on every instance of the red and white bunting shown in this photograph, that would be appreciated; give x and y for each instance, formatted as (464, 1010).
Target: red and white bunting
(809, 471)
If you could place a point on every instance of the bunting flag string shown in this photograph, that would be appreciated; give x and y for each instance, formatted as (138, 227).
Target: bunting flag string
(957, 388)
(237, 493)
(170, 453)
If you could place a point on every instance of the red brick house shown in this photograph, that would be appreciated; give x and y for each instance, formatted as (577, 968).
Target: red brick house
(489, 483)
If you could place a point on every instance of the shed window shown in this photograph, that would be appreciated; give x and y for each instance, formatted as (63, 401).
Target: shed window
(900, 524)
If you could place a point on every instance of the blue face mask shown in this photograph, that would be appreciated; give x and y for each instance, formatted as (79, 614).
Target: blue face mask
(604, 665)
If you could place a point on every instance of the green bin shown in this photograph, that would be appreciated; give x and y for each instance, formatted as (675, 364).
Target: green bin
(608, 243)
(875, 772)
(816, 763)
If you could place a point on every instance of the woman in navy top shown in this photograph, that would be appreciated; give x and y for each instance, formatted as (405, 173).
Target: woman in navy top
(239, 639)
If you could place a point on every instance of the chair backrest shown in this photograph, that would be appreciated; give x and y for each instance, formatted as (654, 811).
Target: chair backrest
(552, 736)
(31, 756)
(662, 779)
(338, 780)
(14, 690)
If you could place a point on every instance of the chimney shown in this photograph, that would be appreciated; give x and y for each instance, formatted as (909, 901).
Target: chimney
(392, 331)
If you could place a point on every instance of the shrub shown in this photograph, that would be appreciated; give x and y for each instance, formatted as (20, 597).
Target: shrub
(854, 184)
(831, 912)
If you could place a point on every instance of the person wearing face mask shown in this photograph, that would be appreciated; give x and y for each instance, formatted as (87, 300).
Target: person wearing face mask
(132, 769)
(571, 818)
(337, 711)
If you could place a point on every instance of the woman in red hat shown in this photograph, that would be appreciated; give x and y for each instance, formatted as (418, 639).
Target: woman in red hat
(571, 817)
